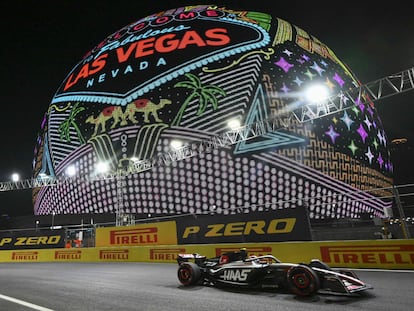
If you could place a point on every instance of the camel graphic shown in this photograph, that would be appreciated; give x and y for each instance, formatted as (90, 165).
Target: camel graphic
(147, 107)
(111, 112)
(115, 112)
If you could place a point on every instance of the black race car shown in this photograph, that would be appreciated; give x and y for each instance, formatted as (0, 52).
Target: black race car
(267, 272)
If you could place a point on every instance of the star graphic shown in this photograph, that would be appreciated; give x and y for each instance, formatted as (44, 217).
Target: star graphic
(347, 120)
(329, 84)
(324, 63)
(305, 57)
(369, 155)
(375, 143)
(360, 104)
(298, 81)
(284, 64)
(332, 134)
(355, 109)
(343, 98)
(361, 131)
(285, 89)
(381, 138)
(390, 166)
(353, 147)
(380, 160)
(338, 79)
(309, 74)
(368, 122)
(287, 52)
(318, 69)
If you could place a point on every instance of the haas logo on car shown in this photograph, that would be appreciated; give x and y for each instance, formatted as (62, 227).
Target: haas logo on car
(236, 275)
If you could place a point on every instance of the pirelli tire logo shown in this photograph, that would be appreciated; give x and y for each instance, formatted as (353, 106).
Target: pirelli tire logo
(165, 254)
(68, 255)
(135, 236)
(395, 254)
(114, 255)
(25, 256)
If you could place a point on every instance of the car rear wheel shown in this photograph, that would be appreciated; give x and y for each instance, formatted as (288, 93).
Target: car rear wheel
(188, 273)
(302, 280)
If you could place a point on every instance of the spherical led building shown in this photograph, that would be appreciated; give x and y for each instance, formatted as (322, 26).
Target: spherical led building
(203, 109)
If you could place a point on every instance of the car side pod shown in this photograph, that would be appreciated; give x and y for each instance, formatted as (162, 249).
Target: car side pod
(302, 280)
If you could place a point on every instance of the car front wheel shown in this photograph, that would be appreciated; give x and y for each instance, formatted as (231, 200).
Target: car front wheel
(303, 281)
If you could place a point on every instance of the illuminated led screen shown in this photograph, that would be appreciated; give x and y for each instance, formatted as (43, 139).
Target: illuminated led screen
(181, 76)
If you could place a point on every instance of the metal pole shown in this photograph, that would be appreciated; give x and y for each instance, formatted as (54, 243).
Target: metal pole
(307, 209)
(404, 227)
(120, 180)
(53, 220)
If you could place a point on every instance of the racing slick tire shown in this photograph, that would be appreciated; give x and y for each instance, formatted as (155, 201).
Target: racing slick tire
(303, 281)
(189, 273)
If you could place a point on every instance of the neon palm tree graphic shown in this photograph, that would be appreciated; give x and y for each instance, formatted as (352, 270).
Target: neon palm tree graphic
(206, 94)
(71, 121)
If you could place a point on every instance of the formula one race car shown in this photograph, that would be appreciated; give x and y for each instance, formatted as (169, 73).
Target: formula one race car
(237, 269)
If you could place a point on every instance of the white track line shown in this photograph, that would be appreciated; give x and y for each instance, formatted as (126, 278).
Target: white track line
(24, 303)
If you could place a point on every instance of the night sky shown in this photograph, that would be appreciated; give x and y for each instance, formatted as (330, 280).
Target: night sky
(43, 40)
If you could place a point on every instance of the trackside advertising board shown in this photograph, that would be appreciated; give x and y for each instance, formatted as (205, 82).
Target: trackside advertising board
(381, 254)
(32, 239)
(275, 226)
(145, 234)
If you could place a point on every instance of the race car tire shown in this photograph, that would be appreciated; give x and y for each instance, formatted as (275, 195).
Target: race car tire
(189, 274)
(303, 281)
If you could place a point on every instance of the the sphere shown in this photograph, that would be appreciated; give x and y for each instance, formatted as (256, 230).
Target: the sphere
(179, 77)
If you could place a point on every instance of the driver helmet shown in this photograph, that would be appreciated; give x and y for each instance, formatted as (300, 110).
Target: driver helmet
(243, 253)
